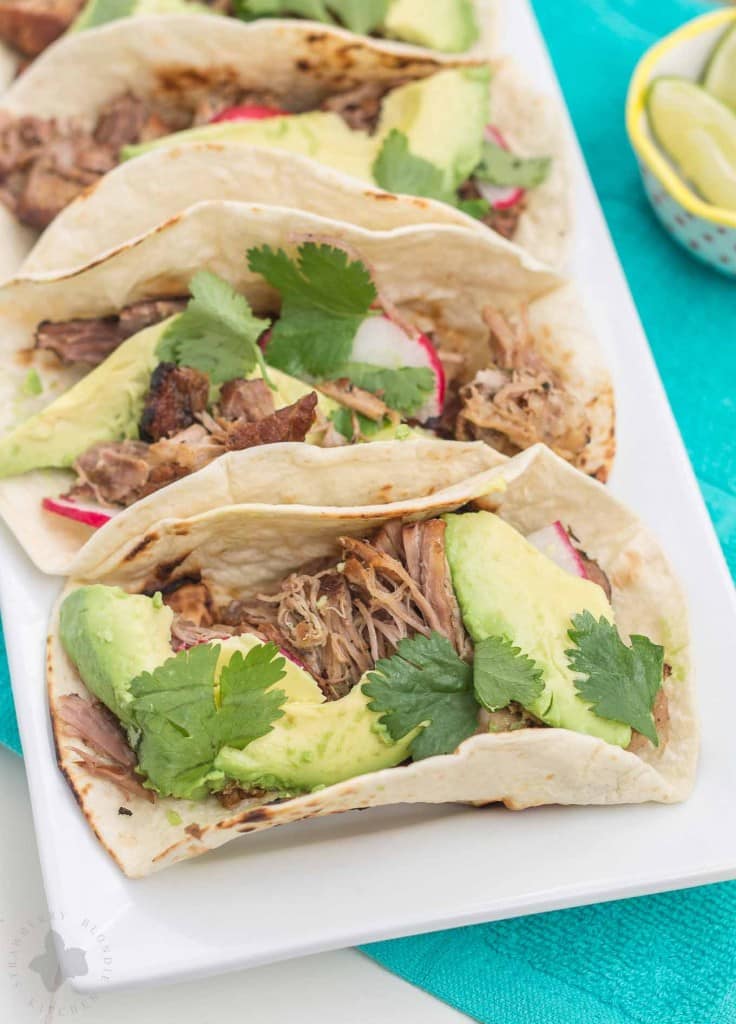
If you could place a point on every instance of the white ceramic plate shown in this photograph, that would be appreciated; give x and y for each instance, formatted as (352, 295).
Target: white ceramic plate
(376, 874)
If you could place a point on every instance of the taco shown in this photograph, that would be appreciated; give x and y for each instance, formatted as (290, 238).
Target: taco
(357, 336)
(514, 635)
(470, 135)
(28, 27)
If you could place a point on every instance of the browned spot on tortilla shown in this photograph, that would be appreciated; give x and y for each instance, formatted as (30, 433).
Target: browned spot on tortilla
(315, 37)
(194, 830)
(303, 64)
(182, 529)
(163, 575)
(384, 196)
(177, 79)
(258, 814)
(23, 357)
(548, 778)
(148, 539)
(247, 828)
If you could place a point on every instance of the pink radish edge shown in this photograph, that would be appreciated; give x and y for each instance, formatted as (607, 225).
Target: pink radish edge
(88, 515)
(554, 542)
(251, 112)
(499, 196)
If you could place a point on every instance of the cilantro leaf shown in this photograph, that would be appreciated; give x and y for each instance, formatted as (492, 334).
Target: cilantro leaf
(620, 682)
(425, 683)
(502, 674)
(405, 389)
(476, 208)
(501, 167)
(181, 727)
(397, 169)
(362, 16)
(247, 706)
(352, 425)
(217, 333)
(325, 297)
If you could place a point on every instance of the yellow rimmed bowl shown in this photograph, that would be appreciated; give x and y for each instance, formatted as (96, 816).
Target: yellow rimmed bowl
(707, 232)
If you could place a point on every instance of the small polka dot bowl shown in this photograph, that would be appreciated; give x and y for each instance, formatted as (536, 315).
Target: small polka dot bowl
(706, 231)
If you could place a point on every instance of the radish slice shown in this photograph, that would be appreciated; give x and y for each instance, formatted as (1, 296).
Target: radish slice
(501, 197)
(89, 515)
(265, 338)
(554, 542)
(381, 342)
(247, 113)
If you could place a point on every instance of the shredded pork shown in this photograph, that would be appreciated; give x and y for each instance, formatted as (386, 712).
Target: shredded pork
(520, 401)
(340, 620)
(90, 341)
(122, 472)
(109, 756)
(29, 26)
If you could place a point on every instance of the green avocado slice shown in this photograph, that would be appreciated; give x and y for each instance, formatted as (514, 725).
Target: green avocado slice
(316, 745)
(505, 587)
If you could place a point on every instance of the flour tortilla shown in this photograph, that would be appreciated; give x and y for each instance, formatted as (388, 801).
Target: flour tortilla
(488, 18)
(442, 276)
(242, 549)
(291, 58)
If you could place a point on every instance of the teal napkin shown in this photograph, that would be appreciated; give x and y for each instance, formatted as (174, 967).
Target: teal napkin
(668, 959)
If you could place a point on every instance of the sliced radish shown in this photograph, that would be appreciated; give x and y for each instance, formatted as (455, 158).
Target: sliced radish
(381, 342)
(501, 197)
(265, 338)
(554, 542)
(89, 515)
(248, 112)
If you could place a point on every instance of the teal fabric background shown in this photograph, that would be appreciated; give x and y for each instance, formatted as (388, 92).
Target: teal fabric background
(667, 959)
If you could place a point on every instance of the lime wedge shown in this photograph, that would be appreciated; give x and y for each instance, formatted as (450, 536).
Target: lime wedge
(698, 133)
(719, 78)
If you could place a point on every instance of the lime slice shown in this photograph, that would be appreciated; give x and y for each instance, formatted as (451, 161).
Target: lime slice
(698, 133)
(720, 74)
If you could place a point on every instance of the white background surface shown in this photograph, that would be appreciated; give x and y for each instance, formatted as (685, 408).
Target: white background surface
(337, 882)
(334, 988)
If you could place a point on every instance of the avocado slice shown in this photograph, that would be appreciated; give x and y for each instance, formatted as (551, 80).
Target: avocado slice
(505, 587)
(316, 745)
(111, 637)
(446, 25)
(100, 12)
(444, 119)
(321, 135)
(105, 405)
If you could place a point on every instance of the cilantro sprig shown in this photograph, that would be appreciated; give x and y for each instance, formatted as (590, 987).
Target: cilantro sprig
(217, 333)
(619, 682)
(405, 389)
(425, 683)
(362, 16)
(326, 296)
(397, 169)
(500, 166)
(502, 675)
(185, 720)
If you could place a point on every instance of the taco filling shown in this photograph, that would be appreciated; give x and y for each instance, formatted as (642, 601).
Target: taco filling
(401, 647)
(384, 132)
(29, 26)
(175, 384)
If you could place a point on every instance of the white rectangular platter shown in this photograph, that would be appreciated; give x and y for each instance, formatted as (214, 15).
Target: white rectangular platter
(376, 874)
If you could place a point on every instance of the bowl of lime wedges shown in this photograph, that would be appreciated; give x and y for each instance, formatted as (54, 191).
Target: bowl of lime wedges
(681, 120)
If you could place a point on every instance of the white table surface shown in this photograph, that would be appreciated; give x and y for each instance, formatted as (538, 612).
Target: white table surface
(335, 988)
